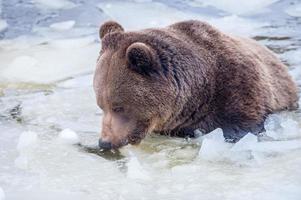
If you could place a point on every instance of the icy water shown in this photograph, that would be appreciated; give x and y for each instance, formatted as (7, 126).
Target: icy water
(48, 50)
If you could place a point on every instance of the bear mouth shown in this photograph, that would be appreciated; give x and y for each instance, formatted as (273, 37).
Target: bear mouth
(136, 138)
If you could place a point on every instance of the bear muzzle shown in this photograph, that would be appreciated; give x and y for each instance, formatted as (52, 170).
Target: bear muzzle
(104, 145)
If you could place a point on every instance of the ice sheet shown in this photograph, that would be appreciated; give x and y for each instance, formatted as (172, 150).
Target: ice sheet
(49, 61)
(156, 14)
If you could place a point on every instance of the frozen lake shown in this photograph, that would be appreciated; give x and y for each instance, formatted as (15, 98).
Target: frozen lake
(48, 51)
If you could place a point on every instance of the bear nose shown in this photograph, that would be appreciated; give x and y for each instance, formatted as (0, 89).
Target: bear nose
(104, 145)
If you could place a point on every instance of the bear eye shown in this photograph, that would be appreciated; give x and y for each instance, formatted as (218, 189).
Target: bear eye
(118, 109)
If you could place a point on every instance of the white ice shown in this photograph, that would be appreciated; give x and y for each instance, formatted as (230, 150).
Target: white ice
(213, 145)
(26, 140)
(3, 25)
(68, 136)
(135, 170)
(284, 136)
(2, 194)
(47, 61)
(159, 15)
(294, 10)
(63, 26)
(54, 4)
(238, 7)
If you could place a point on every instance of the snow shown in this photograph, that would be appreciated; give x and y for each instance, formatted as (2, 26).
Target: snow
(68, 136)
(63, 26)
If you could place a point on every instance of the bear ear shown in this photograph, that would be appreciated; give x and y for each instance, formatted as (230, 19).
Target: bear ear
(109, 27)
(141, 58)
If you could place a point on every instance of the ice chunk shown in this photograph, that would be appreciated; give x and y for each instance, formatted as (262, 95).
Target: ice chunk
(294, 10)
(22, 161)
(272, 123)
(3, 25)
(63, 26)
(55, 4)
(245, 143)
(291, 127)
(135, 170)
(26, 140)
(2, 194)
(282, 126)
(213, 146)
(68, 136)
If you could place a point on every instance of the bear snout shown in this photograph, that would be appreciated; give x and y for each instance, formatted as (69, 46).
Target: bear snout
(104, 145)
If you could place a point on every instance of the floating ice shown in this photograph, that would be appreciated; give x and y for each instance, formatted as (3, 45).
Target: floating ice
(144, 15)
(135, 170)
(240, 8)
(282, 126)
(78, 82)
(147, 15)
(55, 4)
(245, 143)
(68, 136)
(213, 146)
(236, 25)
(27, 139)
(3, 25)
(63, 26)
(47, 62)
(21, 162)
(294, 10)
(2, 194)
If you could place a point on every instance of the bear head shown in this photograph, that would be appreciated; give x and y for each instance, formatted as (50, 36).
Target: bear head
(132, 86)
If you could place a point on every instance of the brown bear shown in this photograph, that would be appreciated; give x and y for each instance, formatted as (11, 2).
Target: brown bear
(183, 77)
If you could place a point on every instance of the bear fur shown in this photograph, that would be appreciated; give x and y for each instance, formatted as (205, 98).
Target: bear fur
(183, 77)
